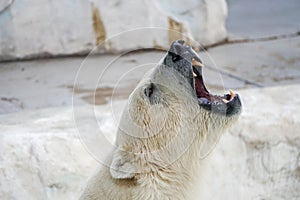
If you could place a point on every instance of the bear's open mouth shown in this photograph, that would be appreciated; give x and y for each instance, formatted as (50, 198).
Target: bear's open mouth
(186, 61)
(207, 100)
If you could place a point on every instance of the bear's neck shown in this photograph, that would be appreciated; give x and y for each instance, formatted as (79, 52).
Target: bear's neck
(175, 180)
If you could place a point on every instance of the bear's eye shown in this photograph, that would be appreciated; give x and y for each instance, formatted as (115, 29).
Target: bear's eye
(148, 91)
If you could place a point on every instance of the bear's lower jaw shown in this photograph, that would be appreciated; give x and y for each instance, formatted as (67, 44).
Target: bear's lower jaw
(228, 104)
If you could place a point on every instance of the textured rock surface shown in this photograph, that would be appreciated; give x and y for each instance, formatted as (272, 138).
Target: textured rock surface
(42, 156)
(40, 28)
(259, 158)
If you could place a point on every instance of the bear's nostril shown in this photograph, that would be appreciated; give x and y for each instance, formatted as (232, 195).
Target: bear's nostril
(181, 42)
(176, 58)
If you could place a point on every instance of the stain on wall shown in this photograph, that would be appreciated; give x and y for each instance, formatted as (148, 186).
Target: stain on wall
(98, 26)
(175, 30)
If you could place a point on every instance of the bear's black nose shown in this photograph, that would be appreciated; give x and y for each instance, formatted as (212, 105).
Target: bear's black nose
(179, 51)
(178, 48)
(180, 58)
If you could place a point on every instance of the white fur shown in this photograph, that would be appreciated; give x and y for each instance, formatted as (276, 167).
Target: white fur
(159, 146)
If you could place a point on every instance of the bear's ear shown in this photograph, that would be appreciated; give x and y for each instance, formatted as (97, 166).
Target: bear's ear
(121, 166)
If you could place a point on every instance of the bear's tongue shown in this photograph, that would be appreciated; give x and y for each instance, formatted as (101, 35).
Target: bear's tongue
(201, 91)
(200, 88)
(203, 95)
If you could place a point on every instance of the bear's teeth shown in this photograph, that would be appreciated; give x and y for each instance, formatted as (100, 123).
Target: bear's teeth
(225, 100)
(196, 63)
(195, 75)
(203, 100)
(232, 94)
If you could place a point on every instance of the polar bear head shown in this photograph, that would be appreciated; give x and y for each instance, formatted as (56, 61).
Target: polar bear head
(171, 118)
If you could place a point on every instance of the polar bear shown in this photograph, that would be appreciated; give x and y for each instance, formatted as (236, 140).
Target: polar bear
(169, 121)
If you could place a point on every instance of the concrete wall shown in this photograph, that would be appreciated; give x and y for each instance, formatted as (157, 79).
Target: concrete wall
(36, 28)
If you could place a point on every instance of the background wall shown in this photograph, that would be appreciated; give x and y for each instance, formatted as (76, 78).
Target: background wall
(40, 28)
